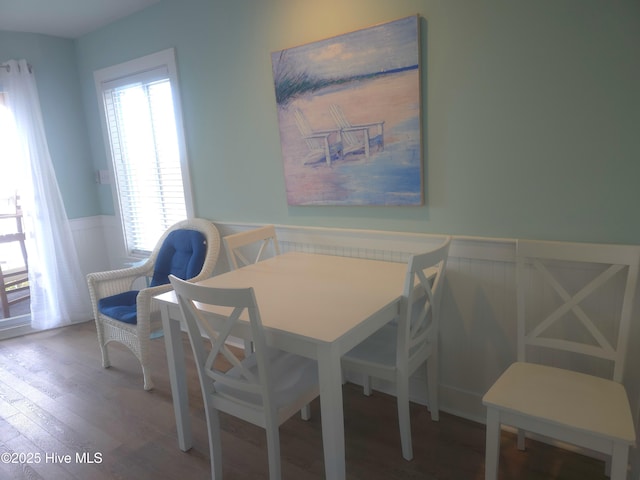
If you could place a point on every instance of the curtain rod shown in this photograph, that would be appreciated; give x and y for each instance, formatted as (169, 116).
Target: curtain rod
(8, 67)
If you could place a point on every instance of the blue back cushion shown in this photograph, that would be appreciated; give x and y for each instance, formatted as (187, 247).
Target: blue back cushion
(182, 254)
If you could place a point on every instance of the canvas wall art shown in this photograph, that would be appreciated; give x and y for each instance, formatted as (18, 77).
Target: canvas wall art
(349, 117)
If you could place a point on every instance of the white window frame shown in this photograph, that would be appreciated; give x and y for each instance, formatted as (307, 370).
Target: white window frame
(163, 59)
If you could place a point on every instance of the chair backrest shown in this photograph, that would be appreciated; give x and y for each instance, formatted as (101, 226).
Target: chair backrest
(418, 321)
(576, 298)
(10, 217)
(342, 122)
(244, 386)
(301, 121)
(245, 248)
(182, 254)
(15, 278)
(338, 116)
(188, 249)
(307, 133)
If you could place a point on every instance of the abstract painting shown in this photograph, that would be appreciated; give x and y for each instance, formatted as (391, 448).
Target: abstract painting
(350, 118)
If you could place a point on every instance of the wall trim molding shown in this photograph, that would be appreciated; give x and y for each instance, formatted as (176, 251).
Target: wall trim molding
(478, 248)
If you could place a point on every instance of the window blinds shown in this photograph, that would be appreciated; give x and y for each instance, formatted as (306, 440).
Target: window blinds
(146, 156)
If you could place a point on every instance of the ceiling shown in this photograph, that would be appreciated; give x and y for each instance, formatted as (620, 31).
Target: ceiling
(65, 18)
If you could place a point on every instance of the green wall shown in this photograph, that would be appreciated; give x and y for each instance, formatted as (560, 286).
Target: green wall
(531, 111)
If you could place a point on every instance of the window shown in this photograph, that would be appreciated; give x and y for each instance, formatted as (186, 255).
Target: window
(10, 181)
(10, 251)
(11, 176)
(141, 119)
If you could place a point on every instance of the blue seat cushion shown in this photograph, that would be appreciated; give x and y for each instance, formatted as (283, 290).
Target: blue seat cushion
(121, 306)
(182, 254)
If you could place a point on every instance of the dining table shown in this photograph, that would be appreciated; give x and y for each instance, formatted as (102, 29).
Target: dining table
(315, 305)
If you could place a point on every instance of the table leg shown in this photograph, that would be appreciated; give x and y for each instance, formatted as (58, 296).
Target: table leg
(177, 378)
(331, 411)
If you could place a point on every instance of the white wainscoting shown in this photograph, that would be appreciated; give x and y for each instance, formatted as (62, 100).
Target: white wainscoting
(478, 329)
(90, 236)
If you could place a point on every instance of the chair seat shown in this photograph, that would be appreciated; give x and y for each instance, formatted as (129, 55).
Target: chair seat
(291, 375)
(121, 306)
(378, 349)
(565, 398)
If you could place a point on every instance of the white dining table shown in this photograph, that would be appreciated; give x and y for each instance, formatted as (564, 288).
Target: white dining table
(317, 306)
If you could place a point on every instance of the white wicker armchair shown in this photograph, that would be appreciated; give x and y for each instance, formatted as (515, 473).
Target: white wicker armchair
(106, 284)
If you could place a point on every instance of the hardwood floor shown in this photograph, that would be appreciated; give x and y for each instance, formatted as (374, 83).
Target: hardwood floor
(57, 403)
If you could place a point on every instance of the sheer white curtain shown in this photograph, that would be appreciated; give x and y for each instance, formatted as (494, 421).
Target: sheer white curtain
(58, 290)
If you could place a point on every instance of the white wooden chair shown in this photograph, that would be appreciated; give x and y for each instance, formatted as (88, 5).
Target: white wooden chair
(13, 280)
(245, 248)
(354, 138)
(574, 305)
(266, 388)
(125, 315)
(398, 349)
(317, 141)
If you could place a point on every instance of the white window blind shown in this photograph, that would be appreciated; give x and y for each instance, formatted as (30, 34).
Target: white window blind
(141, 124)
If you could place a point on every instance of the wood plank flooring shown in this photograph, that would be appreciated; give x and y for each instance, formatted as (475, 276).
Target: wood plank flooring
(59, 410)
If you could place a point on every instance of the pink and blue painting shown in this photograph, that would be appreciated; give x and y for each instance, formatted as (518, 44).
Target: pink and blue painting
(349, 117)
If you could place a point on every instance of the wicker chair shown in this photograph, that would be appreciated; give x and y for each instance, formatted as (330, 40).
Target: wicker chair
(118, 283)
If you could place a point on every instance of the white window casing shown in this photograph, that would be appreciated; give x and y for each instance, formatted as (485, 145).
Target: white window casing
(141, 118)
